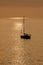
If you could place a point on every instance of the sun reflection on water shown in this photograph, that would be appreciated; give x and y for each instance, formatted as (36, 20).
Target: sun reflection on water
(18, 26)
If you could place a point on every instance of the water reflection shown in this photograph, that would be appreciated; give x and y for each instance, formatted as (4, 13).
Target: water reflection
(18, 46)
(18, 25)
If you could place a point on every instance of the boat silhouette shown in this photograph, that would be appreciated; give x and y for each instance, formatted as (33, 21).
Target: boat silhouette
(25, 35)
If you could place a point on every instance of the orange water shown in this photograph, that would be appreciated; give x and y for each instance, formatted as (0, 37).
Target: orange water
(16, 51)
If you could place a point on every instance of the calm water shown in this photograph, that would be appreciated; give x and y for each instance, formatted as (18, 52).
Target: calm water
(16, 51)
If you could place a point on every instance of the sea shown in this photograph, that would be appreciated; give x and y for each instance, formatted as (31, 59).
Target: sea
(17, 51)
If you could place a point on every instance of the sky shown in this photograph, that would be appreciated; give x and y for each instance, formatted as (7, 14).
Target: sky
(21, 2)
(30, 8)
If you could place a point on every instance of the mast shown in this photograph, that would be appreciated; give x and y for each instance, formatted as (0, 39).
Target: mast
(23, 24)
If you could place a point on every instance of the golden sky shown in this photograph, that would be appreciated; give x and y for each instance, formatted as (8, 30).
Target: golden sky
(21, 2)
(30, 8)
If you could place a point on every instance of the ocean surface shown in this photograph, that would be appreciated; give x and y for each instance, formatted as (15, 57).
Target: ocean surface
(17, 51)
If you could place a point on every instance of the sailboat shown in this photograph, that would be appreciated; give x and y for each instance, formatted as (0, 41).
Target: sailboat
(25, 35)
